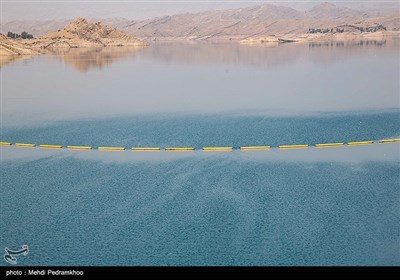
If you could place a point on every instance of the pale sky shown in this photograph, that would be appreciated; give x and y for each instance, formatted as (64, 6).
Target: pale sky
(137, 10)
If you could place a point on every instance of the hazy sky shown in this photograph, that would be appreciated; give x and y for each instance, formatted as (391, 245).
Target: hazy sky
(130, 9)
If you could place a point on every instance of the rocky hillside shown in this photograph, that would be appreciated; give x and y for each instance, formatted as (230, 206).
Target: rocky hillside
(10, 47)
(81, 33)
(78, 34)
(41, 27)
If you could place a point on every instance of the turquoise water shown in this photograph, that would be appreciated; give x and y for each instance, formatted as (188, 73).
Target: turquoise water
(212, 130)
(203, 208)
(335, 206)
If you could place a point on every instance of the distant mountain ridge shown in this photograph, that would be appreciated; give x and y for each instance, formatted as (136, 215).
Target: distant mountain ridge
(254, 21)
(235, 24)
(330, 11)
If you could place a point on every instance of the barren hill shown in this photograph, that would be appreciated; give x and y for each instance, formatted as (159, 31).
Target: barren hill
(10, 47)
(42, 27)
(80, 33)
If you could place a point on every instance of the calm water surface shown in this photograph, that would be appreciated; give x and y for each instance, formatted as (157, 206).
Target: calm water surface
(307, 207)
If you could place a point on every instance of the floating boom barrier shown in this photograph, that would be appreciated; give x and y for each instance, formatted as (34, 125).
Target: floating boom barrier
(205, 149)
(79, 147)
(179, 149)
(217, 149)
(5, 144)
(25, 145)
(389, 140)
(360, 143)
(47, 146)
(146, 149)
(329, 145)
(255, 148)
(293, 146)
(111, 148)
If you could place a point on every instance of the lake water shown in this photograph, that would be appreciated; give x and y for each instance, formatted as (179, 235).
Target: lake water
(336, 206)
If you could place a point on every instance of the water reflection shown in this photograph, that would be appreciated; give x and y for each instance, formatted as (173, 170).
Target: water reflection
(5, 60)
(201, 78)
(85, 59)
(265, 55)
(355, 43)
(223, 54)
